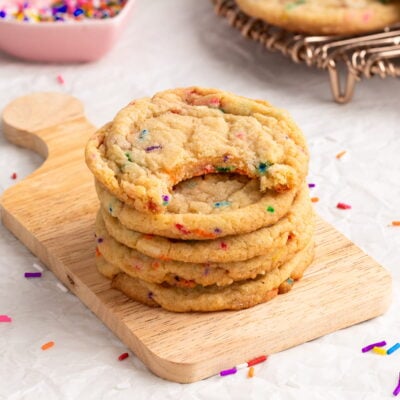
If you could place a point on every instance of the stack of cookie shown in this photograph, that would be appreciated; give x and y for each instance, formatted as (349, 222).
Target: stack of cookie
(204, 205)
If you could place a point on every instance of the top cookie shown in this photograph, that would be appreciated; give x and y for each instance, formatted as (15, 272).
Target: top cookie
(153, 144)
(327, 17)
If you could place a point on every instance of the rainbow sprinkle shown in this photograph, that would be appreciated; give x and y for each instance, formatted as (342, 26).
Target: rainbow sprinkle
(220, 204)
(165, 199)
(61, 11)
(343, 206)
(341, 154)
(250, 374)
(395, 223)
(32, 274)
(5, 318)
(311, 185)
(60, 79)
(143, 133)
(123, 356)
(14, 176)
(47, 345)
(270, 209)
(263, 167)
(152, 148)
(393, 349)
(371, 346)
(396, 391)
(248, 364)
(379, 350)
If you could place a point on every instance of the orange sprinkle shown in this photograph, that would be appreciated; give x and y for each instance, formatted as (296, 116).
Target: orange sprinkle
(164, 257)
(48, 345)
(250, 374)
(204, 234)
(395, 223)
(315, 199)
(155, 264)
(98, 254)
(148, 237)
(341, 154)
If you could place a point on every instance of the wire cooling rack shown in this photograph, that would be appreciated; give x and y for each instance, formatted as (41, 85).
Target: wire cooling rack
(348, 59)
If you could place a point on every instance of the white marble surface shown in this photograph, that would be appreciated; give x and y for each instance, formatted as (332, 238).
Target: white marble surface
(175, 43)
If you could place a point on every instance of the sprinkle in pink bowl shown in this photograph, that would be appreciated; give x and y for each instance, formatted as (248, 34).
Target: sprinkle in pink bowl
(72, 41)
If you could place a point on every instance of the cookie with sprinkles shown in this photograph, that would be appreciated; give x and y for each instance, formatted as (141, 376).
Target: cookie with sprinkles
(190, 274)
(239, 295)
(329, 17)
(155, 143)
(227, 249)
(203, 208)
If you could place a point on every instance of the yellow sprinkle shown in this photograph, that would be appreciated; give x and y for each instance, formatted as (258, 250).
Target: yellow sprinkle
(48, 345)
(341, 154)
(250, 374)
(379, 350)
(315, 199)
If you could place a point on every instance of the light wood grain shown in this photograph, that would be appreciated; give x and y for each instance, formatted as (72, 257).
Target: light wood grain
(53, 211)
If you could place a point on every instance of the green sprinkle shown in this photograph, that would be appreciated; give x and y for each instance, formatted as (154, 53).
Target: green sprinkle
(263, 167)
(270, 209)
(220, 204)
(224, 169)
(128, 155)
(294, 4)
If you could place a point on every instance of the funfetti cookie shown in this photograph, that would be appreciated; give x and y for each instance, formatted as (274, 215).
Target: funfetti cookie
(239, 295)
(155, 143)
(325, 17)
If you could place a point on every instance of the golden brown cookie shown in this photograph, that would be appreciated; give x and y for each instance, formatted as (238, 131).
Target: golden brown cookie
(327, 17)
(155, 143)
(239, 295)
(227, 249)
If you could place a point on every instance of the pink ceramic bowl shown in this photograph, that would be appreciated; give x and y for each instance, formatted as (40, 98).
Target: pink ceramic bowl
(72, 41)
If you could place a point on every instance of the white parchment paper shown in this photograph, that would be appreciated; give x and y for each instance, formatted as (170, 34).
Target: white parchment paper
(172, 43)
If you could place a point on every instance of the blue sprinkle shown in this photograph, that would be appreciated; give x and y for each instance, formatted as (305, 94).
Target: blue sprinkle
(393, 348)
(224, 203)
(263, 167)
(78, 12)
(289, 281)
(3, 14)
(143, 134)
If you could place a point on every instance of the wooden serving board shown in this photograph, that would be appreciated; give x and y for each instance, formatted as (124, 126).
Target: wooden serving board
(53, 211)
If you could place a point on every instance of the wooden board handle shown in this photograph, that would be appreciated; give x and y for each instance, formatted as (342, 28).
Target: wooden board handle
(28, 120)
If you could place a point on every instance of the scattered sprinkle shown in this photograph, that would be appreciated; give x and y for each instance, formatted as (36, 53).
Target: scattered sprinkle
(5, 318)
(217, 231)
(256, 360)
(150, 295)
(100, 240)
(241, 366)
(123, 356)
(62, 287)
(38, 267)
(379, 350)
(226, 157)
(230, 371)
(397, 389)
(372, 345)
(393, 349)
(220, 204)
(152, 148)
(341, 154)
(271, 209)
(98, 252)
(290, 281)
(311, 185)
(343, 206)
(33, 274)
(395, 223)
(294, 4)
(14, 176)
(60, 79)
(250, 373)
(314, 199)
(47, 345)
(143, 133)
(223, 245)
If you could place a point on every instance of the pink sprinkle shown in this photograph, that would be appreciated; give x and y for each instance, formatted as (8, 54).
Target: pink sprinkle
(14, 175)
(367, 16)
(60, 79)
(240, 135)
(224, 246)
(182, 229)
(214, 102)
(343, 206)
(5, 318)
